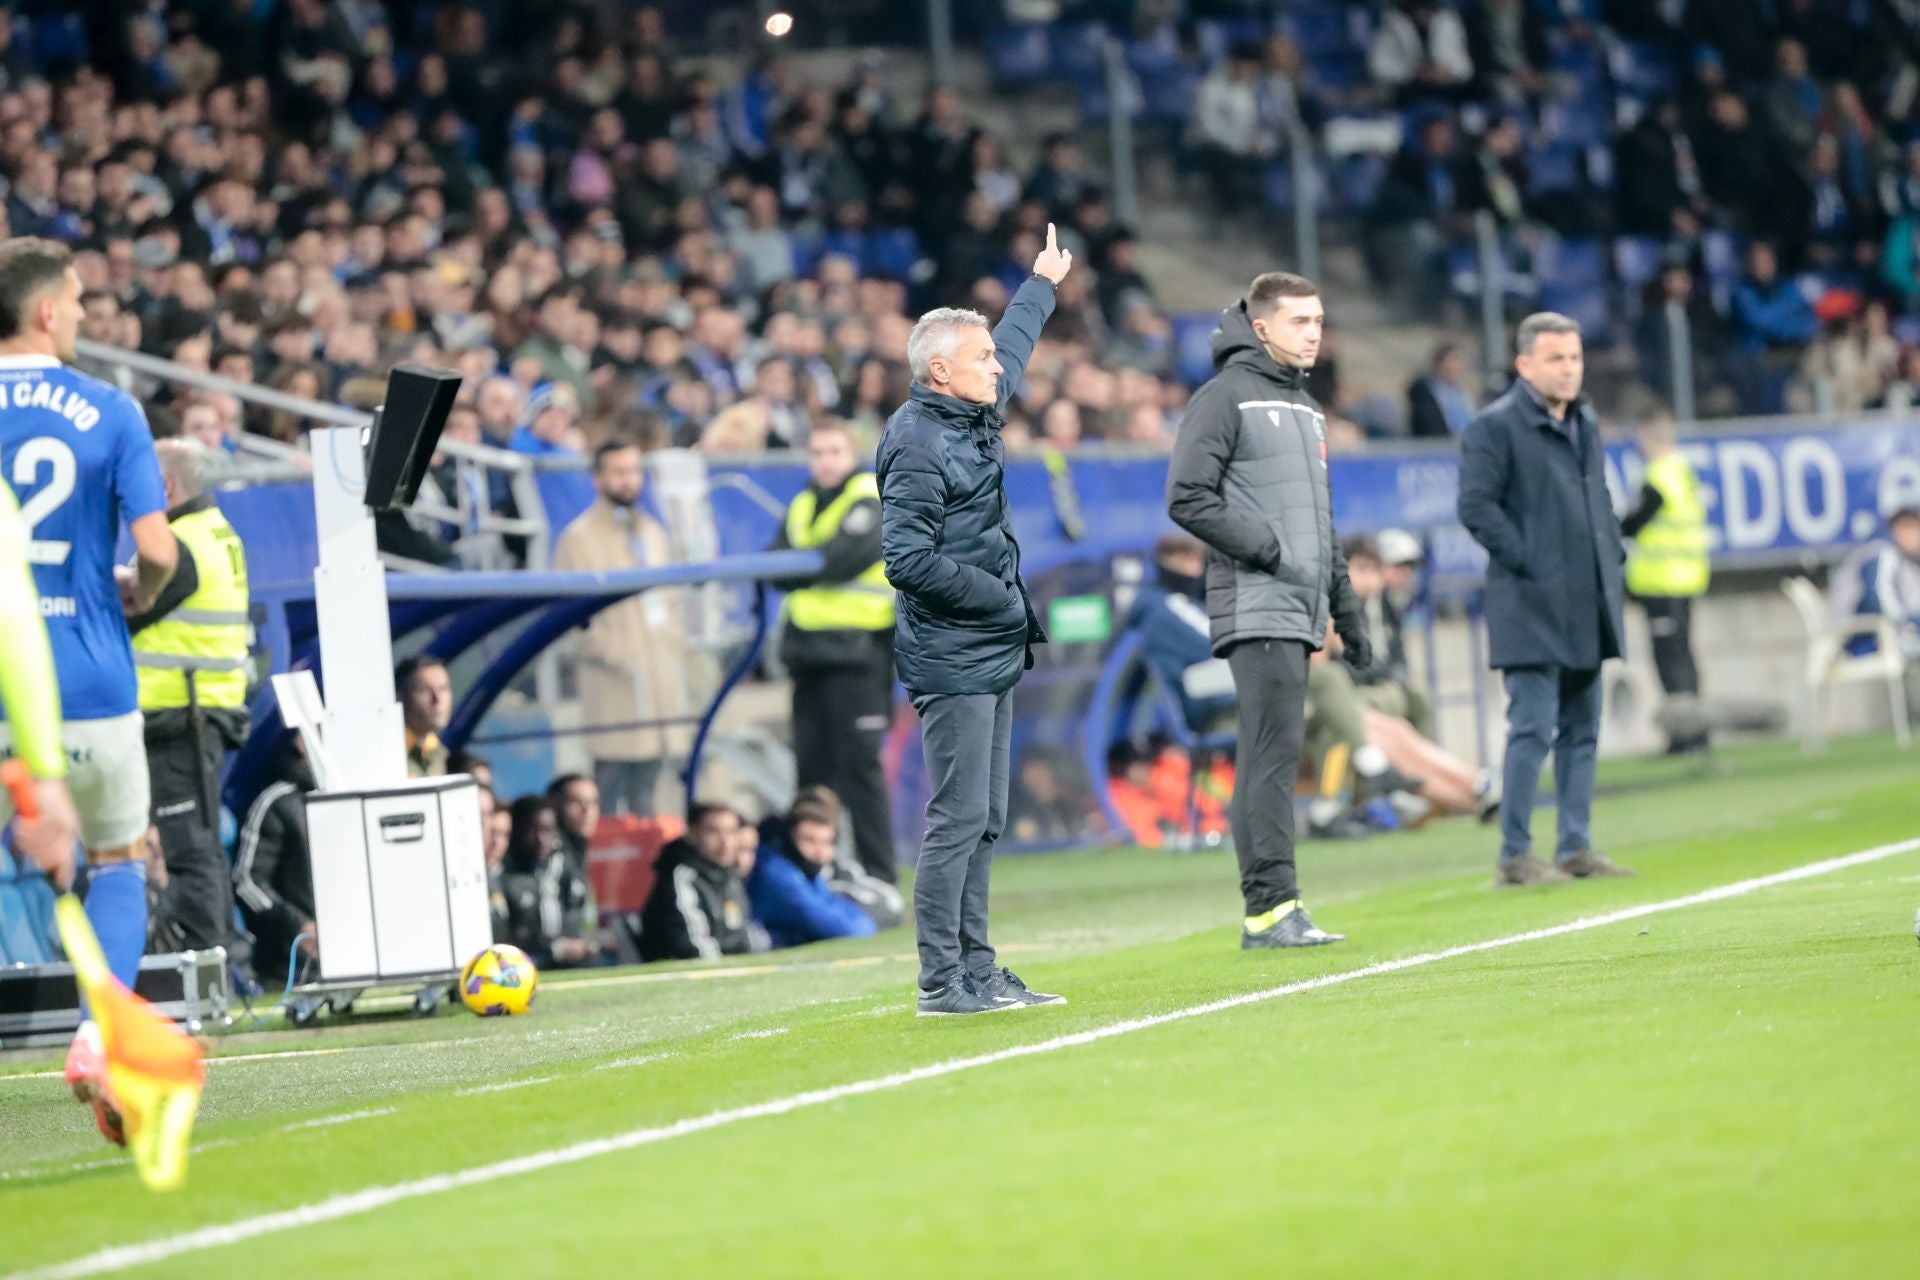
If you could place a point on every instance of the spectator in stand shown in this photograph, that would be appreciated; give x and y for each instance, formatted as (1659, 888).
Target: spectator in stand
(1419, 52)
(426, 705)
(1772, 321)
(699, 909)
(1793, 101)
(1438, 406)
(1062, 179)
(1228, 134)
(550, 427)
(273, 866)
(1508, 47)
(1749, 173)
(1171, 617)
(546, 894)
(1043, 807)
(1856, 360)
(790, 885)
(1770, 311)
(576, 803)
(633, 670)
(1711, 341)
(1882, 579)
(1419, 208)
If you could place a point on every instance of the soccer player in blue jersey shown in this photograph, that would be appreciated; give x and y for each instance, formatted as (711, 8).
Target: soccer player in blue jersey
(80, 458)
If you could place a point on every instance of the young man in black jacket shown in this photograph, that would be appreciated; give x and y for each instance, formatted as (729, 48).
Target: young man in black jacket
(698, 909)
(1249, 479)
(273, 868)
(966, 628)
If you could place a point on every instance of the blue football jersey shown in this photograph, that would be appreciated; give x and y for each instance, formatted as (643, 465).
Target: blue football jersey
(79, 455)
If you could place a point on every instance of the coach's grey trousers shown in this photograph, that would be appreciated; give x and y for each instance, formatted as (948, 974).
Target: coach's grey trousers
(968, 737)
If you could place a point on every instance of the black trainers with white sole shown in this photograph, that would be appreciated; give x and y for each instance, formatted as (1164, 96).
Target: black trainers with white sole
(961, 998)
(1005, 983)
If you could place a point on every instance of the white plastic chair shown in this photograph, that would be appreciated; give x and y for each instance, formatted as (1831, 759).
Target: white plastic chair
(1828, 662)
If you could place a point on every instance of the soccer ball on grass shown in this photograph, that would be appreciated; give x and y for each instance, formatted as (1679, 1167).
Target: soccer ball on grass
(500, 980)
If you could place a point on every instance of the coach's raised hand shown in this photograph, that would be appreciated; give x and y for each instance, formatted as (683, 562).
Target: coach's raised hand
(1053, 262)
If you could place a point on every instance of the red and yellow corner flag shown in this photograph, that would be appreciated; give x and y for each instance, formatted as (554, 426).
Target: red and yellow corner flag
(154, 1070)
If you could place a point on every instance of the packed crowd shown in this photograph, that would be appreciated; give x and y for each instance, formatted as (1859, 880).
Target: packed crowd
(1754, 161)
(604, 237)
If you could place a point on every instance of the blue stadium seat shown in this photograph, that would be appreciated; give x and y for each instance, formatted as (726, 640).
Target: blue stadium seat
(1579, 121)
(1170, 94)
(848, 244)
(1276, 185)
(1721, 251)
(1356, 181)
(1192, 345)
(1643, 69)
(1093, 97)
(1636, 259)
(1586, 304)
(1019, 54)
(1079, 48)
(892, 252)
(56, 41)
(1553, 167)
(1215, 36)
(1571, 264)
(1158, 54)
(1320, 30)
(1337, 73)
(806, 251)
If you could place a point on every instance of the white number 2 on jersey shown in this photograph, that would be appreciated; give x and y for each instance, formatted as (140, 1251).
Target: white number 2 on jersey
(28, 460)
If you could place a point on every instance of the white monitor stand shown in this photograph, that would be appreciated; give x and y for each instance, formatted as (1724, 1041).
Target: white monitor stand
(399, 864)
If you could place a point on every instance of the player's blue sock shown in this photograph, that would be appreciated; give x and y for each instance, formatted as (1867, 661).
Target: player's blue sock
(117, 909)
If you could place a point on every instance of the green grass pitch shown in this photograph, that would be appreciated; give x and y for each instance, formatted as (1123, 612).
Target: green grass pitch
(1727, 1088)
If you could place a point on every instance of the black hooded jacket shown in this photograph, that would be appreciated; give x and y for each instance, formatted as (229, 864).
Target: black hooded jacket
(1249, 479)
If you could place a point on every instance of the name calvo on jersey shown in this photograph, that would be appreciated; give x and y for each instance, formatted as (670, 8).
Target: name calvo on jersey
(37, 393)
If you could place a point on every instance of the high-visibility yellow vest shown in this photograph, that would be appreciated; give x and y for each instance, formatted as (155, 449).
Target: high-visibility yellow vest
(864, 604)
(204, 641)
(1669, 556)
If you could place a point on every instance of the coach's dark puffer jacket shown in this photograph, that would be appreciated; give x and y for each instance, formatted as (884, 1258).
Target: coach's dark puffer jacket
(965, 624)
(1249, 479)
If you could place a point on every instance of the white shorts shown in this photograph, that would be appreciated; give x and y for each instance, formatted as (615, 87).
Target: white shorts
(107, 776)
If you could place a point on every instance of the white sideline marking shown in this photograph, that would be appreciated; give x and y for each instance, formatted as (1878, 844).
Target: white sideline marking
(768, 1034)
(345, 1117)
(353, 1203)
(640, 1061)
(503, 1086)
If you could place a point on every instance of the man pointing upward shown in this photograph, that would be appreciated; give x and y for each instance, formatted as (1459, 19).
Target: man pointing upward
(966, 628)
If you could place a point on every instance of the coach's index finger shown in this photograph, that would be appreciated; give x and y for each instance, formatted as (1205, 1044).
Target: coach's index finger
(1052, 245)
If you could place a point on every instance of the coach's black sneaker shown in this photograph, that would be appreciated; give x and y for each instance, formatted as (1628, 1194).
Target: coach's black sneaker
(1590, 865)
(961, 997)
(1527, 869)
(1287, 925)
(1005, 984)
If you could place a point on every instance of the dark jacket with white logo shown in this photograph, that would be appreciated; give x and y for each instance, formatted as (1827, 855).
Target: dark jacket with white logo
(1249, 479)
(698, 910)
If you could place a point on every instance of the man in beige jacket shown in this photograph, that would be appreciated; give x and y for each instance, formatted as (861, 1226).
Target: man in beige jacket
(633, 660)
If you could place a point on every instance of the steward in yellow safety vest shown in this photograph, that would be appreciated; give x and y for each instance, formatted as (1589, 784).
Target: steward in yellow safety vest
(190, 654)
(838, 642)
(1669, 566)
(195, 652)
(1668, 526)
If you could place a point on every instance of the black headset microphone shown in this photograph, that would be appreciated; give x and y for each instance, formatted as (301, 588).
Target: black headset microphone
(1292, 355)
